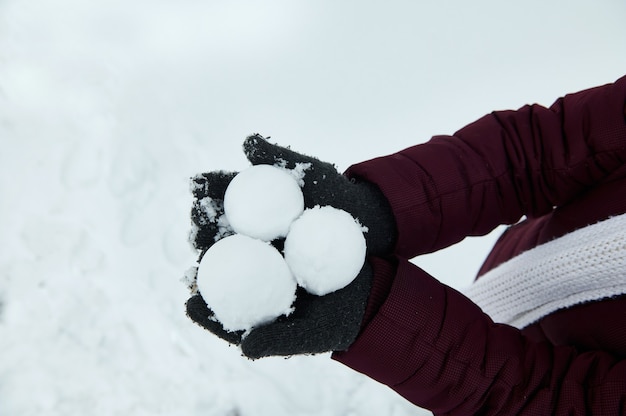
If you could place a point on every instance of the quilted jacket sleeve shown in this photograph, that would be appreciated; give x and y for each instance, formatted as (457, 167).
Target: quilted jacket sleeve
(437, 349)
(505, 165)
(432, 344)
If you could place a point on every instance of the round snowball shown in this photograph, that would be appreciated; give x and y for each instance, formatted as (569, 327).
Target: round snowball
(262, 202)
(325, 249)
(245, 282)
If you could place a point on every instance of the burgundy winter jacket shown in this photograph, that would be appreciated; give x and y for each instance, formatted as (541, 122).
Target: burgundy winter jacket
(562, 167)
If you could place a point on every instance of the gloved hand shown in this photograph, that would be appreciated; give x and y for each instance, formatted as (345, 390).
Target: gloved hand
(319, 323)
(323, 185)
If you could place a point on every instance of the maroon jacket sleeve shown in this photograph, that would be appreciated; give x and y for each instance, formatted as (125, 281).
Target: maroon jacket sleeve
(501, 167)
(430, 343)
(440, 351)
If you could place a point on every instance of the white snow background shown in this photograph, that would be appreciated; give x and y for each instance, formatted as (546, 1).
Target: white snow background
(107, 107)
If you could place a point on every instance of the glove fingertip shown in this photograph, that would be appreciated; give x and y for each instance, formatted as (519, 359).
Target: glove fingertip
(252, 353)
(211, 184)
(258, 150)
(199, 312)
(197, 309)
(255, 346)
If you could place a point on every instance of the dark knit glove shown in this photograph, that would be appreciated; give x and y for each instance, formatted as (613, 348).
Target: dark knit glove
(323, 185)
(319, 323)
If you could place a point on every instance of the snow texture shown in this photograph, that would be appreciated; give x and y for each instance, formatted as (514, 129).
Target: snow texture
(262, 202)
(245, 282)
(325, 249)
(212, 209)
(107, 107)
(298, 172)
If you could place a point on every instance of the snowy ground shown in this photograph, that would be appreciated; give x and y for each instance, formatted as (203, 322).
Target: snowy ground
(108, 107)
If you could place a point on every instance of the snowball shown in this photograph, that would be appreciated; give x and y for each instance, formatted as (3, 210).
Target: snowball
(325, 249)
(262, 202)
(245, 282)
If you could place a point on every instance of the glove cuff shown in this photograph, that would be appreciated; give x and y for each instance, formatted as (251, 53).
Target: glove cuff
(384, 273)
(374, 211)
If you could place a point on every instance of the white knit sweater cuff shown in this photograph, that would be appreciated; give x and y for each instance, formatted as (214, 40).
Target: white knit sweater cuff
(585, 265)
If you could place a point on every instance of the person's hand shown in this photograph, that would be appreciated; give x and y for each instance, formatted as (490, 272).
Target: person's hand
(323, 185)
(319, 323)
